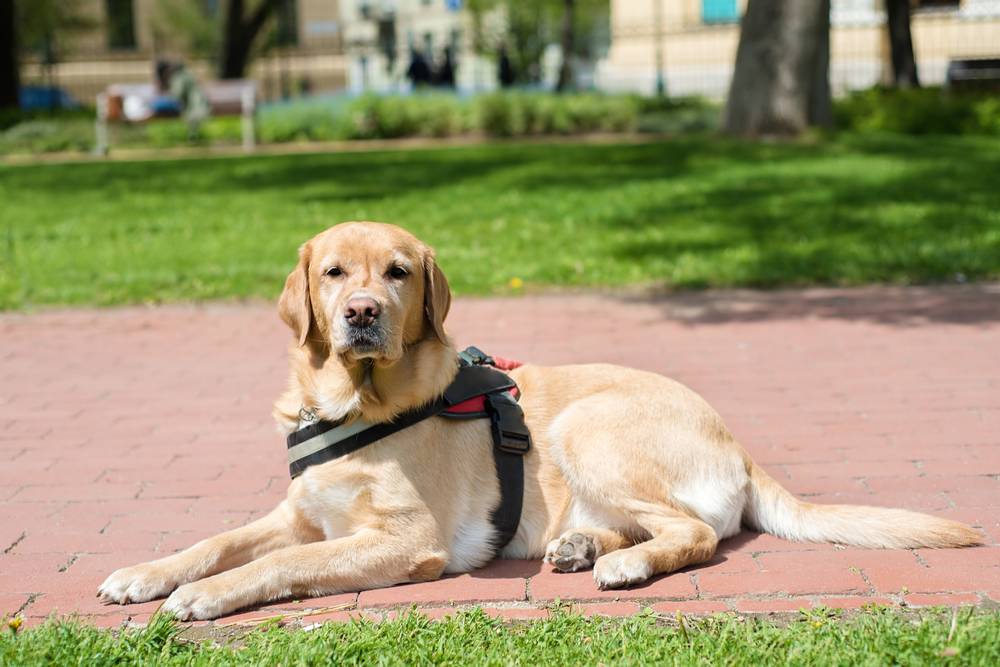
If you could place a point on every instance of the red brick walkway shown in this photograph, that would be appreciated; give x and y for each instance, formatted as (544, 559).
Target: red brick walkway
(128, 434)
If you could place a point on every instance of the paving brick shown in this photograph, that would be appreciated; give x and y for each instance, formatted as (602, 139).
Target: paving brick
(724, 562)
(92, 569)
(464, 588)
(10, 603)
(92, 542)
(934, 579)
(981, 556)
(551, 585)
(84, 603)
(826, 388)
(71, 492)
(933, 483)
(762, 542)
(772, 606)
(804, 580)
(31, 573)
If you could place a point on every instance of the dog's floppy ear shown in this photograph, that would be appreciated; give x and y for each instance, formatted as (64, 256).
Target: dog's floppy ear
(437, 297)
(294, 306)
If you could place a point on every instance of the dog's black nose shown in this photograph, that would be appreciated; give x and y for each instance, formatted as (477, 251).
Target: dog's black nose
(362, 311)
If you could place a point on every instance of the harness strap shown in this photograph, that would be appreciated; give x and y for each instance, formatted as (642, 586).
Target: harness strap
(478, 391)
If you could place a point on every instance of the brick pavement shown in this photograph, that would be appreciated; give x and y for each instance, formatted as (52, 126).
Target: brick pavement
(127, 434)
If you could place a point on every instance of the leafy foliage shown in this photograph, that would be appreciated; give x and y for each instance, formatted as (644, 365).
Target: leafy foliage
(919, 111)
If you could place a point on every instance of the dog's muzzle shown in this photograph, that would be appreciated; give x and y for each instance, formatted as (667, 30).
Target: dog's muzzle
(365, 338)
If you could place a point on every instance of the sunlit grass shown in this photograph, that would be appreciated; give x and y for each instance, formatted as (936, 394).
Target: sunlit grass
(689, 213)
(872, 637)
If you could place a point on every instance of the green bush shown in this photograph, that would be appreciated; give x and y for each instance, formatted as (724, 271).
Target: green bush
(516, 114)
(500, 114)
(47, 136)
(918, 111)
(308, 121)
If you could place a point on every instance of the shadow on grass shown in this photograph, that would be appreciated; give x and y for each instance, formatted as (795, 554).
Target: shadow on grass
(690, 213)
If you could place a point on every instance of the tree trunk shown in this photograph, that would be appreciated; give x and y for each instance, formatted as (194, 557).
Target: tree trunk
(10, 78)
(781, 81)
(239, 34)
(904, 65)
(565, 81)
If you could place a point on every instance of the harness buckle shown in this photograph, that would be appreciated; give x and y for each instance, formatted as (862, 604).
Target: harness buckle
(510, 433)
(473, 356)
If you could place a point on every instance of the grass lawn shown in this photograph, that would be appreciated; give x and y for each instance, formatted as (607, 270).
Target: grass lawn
(874, 637)
(692, 212)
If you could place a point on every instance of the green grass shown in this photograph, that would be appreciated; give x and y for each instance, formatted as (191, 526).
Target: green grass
(689, 213)
(874, 637)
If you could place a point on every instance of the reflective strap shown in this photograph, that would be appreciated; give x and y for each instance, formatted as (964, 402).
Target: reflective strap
(334, 435)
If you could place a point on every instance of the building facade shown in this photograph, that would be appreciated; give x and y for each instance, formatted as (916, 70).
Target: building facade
(381, 38)
(123, 39)
(695, 43)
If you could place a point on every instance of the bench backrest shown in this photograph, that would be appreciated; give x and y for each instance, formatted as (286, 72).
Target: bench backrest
(225, 98)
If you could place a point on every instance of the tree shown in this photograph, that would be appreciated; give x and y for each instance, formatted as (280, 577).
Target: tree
(46, 28)
(10, 75)
(527, 28)
(240, 31)
(190, 24)
(904, 66)
(781, 82)
(568, 37)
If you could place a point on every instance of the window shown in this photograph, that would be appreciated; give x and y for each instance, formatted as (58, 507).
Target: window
(719, 11)
(120, 16)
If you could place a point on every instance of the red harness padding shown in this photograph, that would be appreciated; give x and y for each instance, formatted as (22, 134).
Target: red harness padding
(476, 406)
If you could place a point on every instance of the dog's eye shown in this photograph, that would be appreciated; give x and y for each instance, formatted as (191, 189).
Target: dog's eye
(334, 271)
(397, 272)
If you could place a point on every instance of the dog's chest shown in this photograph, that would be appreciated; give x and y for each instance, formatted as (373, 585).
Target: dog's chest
(471, 546)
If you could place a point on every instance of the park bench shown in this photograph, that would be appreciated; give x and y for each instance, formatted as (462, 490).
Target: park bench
(979, 74)
(225, 98)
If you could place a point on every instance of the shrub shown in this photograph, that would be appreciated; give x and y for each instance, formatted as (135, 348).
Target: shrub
(515, 114)
(502, 115)
(47, 136)
(918, 111)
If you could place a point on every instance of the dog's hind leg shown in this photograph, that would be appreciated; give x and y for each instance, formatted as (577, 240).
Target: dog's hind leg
(280, 528)
(677, 540)
(577, 549)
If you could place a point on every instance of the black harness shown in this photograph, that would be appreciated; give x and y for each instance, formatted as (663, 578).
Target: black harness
(479, 391)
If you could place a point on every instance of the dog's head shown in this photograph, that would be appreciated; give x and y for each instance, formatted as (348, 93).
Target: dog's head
(366, 290)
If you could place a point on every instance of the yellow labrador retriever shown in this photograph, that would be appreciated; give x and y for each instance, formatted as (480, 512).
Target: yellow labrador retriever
(630, 473)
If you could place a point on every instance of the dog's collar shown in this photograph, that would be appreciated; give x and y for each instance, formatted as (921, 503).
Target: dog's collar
(479, 391)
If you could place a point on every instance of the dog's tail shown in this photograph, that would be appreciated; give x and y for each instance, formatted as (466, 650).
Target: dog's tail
(772, 509)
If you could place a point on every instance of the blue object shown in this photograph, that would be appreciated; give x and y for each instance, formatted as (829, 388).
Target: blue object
(41, 98)
(453, 5)
(719, 11)
(164, 105)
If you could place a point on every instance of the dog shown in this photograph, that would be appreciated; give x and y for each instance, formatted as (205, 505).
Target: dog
(630, 473)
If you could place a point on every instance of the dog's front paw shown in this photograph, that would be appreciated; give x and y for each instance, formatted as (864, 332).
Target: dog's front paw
(139, 583)
(621, 568)
(196, 601)
(571, 552)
